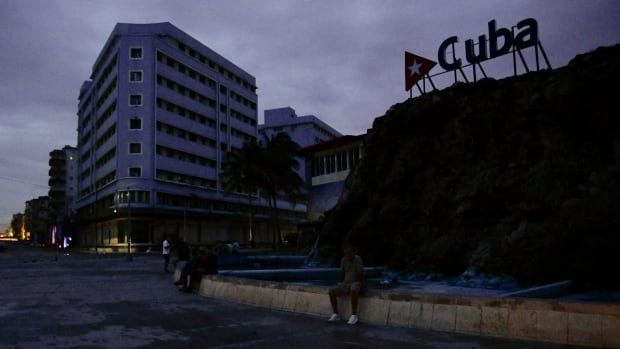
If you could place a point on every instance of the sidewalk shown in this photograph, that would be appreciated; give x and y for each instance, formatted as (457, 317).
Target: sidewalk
(112, 303)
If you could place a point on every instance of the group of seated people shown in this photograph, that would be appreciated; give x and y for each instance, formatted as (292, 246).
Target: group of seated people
(203, 261)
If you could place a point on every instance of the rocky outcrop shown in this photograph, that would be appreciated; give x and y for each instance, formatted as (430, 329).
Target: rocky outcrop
(519, 176)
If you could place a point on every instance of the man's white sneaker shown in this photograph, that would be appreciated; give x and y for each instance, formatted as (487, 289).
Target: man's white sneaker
(352, 320)
(335, 317)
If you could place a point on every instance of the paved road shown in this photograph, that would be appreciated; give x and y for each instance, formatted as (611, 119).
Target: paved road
(85, 301)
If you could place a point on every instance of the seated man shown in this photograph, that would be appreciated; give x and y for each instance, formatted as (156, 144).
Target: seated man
(188, 267)
(352, 283)
(205, 264)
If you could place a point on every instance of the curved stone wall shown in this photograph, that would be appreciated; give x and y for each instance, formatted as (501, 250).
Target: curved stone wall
(577, 323)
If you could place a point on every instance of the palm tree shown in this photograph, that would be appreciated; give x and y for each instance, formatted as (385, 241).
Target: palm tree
(242, 173)
(279, 176)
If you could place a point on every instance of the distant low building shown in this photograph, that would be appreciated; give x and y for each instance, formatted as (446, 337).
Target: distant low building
(329, 165)
(304, 130)
(37, 220)
(17, 224)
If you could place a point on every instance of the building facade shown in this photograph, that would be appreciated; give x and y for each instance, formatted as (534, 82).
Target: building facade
(329, 165)
(304, 130)
(18, 226)
(63, 181)
(154, 121)
(37, 220)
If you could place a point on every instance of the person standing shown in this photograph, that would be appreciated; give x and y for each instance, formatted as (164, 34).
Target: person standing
(165, 251)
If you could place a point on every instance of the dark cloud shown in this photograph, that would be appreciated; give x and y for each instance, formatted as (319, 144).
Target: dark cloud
(341, 61)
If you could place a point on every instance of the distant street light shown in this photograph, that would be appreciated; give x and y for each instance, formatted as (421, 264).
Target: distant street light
(129, 256)
(128, 198)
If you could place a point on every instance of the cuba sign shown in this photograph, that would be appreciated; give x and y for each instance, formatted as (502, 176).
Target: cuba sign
(500, 42)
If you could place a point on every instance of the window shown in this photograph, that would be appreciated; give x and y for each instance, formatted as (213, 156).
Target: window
(339, 166)
(135, 53)
(332, 163)
(135, 76)
(135, 123)
(135, 172)
(135, 100)
(135, 196)
(135, 148)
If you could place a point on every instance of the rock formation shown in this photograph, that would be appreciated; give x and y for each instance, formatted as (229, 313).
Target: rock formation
(517, 177)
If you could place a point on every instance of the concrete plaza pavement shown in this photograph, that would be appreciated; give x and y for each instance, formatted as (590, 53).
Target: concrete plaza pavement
(89, 301)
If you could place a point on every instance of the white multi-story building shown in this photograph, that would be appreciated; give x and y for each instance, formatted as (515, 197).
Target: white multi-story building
(155, 119)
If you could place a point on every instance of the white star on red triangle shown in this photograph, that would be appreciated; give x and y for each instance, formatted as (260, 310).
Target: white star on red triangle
(414, 68)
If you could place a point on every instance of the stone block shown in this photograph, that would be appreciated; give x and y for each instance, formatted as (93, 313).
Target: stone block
(217, 292)
(421, 315)
(237, 293)
(264, 295)
(522, 324)
(277, 301)
(610, 330)
(312, 303)
(207, 288)
(176, 275)
(222, 289)
(248, 294)
(302, 303)
(399, 314)
(317, 304)
(374, 310)
(552, 326)
(232, 293)
(494, 321)
(584, 329)
(344, 306)
(290, 300)
(444, 317)
(468, 319)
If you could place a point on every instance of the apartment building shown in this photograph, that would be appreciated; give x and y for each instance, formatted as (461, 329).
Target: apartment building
(63, 181)
(155, 119)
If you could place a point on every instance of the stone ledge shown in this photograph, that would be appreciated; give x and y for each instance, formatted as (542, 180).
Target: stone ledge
(590, 324)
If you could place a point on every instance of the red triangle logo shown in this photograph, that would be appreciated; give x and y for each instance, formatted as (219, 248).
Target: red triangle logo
(415, 68)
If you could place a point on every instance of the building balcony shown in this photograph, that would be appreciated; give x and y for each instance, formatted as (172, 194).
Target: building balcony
(57, 158)
(187, 124)
(57, 182)
(242, 126)
(108, 101)
(187, 146)
(186, 81)
(234, 104)
(58, 198)
(183, 101)
(56, 173)
(184, 167)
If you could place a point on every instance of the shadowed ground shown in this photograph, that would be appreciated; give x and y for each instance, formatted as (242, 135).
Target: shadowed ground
(84, 301)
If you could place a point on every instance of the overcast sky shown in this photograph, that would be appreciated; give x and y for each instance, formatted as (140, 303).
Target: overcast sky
(339, 60)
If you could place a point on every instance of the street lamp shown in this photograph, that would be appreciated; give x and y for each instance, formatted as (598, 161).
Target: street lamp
(184, 218)
(129, 256)
(178, 179)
